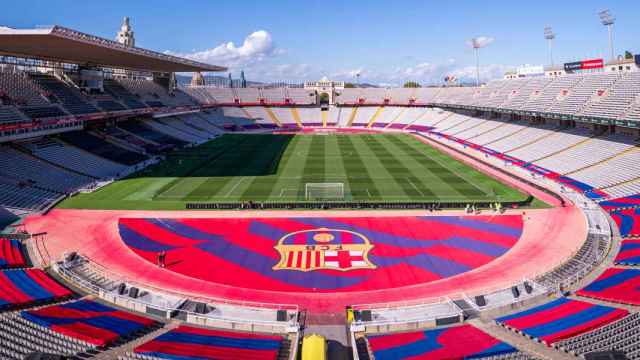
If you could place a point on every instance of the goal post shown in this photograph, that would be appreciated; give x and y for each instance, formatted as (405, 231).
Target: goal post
(324, 191)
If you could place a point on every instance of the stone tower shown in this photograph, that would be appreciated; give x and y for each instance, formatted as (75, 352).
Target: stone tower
(125, 35)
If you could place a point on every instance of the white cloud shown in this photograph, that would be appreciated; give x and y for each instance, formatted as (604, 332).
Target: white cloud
(481, 41)
(258, 56)
(257, 47)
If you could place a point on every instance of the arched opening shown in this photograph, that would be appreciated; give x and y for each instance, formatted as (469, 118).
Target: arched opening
(324, 98)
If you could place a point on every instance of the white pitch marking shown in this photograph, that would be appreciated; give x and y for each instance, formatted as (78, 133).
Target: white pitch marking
(234, 187)
(414, 186)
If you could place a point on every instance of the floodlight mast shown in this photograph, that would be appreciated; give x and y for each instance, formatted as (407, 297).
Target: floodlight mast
(475, 43)
(608, 20)
(550, 36)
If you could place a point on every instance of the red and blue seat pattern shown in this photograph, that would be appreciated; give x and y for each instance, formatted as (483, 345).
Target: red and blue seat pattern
(404, 251)
(186, 343)
(11, 254)
(629, 253)
(616, 285)
(561, 319)
(459, 342)
(29, 286)
(88, 321)
(628, 221)
(621, 203)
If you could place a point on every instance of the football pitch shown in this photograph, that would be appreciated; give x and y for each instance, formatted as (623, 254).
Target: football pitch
(276, 168)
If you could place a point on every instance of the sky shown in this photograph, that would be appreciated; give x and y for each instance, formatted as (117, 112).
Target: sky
(386, 42)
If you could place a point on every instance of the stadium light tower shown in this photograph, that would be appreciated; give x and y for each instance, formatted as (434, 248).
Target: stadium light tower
(608, 20)
(476, 44)
(550, 36)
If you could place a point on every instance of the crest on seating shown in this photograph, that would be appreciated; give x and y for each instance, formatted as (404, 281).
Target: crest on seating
(324, 249)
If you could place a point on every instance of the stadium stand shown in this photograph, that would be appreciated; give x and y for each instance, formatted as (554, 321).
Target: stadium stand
(456, 342)
(615, 285)
(622, 335)
(560, 319)
(102, 148)
(89, 321)
(6, 217)
(70, 99)
(629, 253)
(75, 159)
(18, 165)
(12, 254)
(191, 342)
(19, 288)
(144, 131)
(118, 91)
(628, 221)
(299, 96)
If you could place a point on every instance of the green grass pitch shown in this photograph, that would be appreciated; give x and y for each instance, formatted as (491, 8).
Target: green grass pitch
(243, 167)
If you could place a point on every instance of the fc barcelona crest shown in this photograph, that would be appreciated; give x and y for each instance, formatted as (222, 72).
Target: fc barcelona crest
(324, 248)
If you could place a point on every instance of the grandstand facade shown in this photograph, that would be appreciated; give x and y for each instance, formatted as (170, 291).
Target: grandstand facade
(473, 280)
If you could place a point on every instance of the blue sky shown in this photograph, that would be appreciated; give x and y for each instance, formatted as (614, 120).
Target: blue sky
(388, 42)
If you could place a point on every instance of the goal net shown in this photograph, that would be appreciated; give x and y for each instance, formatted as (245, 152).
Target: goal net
(324, 191)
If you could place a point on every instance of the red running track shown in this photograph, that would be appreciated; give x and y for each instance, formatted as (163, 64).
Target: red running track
(549, 238)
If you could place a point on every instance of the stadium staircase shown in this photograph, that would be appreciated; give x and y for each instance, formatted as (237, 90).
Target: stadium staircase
(375, 116)
(122, 350)
(436, 123)
(604, 161)
(572, 146)
(70, 99)
(400, 113)
(273, 117)
(630, 181)
(460, 131)
(488, 131)
(506, 136)
(296, 116)
(524, 344)
(352, 117)
(536, 140)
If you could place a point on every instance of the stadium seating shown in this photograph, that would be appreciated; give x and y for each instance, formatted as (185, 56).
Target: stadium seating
(561, 319)
(190, 342)
(23, 195)
(118, 91)
(629, 253)
(70, 99)
(621, 335)
(11, 254)
(631, 201)
(102, 148)
(17, 165)
(28, 287)
(628, 221)
(21, 89)
(78, 160)
(10, 115)
(144, 131)
(615, 285)
(447, 343)
(88, 321)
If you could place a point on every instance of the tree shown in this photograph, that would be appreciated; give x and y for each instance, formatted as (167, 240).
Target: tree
(411, 84)
(324, 98)
(349, 85)
(628, 55)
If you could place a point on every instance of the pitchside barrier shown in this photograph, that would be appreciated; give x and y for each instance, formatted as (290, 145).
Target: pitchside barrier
(426, 205)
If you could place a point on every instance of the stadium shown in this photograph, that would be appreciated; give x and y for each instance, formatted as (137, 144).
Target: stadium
(146, 217)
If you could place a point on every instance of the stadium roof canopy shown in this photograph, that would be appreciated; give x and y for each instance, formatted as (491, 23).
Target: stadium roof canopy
(70, 46)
